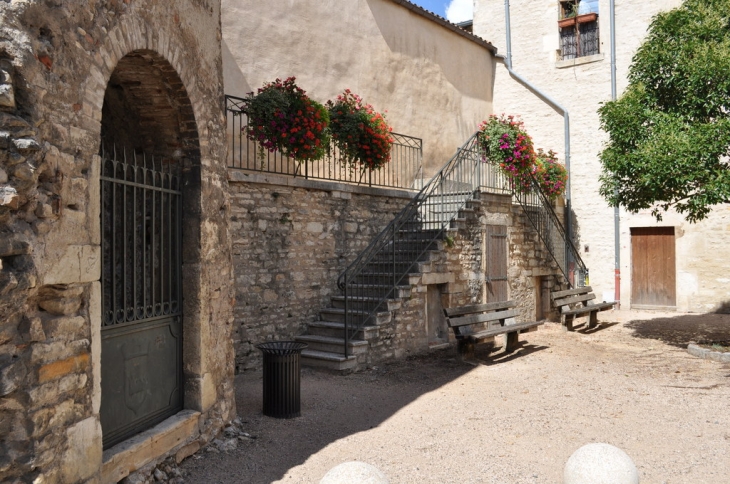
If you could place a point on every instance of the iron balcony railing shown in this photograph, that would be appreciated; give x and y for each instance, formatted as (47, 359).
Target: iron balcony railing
(381, 271)
(403, 170)
(539, 211)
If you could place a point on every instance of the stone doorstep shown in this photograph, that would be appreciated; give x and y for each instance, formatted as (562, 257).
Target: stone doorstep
(138, 451)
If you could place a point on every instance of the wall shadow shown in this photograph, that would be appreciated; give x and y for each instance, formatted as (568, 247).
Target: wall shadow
(680, 330)
(333, 407)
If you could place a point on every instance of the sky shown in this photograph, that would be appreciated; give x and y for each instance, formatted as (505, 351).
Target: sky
(453, 10)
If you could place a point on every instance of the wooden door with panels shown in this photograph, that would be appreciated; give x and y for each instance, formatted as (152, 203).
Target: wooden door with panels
(653, 268)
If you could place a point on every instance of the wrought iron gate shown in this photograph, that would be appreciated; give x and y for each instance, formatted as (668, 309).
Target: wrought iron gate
(141, 354)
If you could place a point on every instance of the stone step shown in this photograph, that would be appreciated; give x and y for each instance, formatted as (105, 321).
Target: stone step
(379, 290)
(357, 317)
(329, 344)
(330, 361)
(387, 278)
(366, 303)
(426, 254)
(334, 329)
(400, 266)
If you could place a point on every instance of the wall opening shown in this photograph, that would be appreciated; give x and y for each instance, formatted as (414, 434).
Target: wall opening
(150, 187)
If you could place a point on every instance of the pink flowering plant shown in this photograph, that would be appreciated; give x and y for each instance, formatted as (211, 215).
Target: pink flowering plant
(359, 132)
(550, 175)
(281, 117)
(505, 142)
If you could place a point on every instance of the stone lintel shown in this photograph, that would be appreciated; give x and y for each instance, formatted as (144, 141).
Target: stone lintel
(437, 278)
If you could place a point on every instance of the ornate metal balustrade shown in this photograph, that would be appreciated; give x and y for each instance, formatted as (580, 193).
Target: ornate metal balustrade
(381, 271)
(404, 168)
(539, 211)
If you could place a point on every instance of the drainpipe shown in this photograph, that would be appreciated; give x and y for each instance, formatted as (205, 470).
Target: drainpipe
(616, 215)
(554, 104)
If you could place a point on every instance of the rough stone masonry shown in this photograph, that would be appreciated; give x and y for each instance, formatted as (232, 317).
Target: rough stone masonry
(57, 62)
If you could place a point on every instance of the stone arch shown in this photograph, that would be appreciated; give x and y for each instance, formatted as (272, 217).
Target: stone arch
(139, 70)
(147, 109)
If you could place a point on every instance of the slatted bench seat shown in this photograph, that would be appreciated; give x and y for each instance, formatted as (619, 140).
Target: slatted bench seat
(575, 303)
(472, 324)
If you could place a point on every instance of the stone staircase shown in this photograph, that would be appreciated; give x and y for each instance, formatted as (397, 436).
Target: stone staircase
(326, 337)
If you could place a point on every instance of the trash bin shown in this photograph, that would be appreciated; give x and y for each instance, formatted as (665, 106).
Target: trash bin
(282, 378)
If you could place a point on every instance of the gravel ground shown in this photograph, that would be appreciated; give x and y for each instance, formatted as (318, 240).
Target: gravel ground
(505, 419)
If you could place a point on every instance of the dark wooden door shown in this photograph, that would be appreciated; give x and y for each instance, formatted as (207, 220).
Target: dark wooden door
(496, 266)
(653, 272)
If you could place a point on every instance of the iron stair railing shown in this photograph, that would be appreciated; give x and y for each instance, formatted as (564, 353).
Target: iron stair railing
(376, 274)
(539, 211)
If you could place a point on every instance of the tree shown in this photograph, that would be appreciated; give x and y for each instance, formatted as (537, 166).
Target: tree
(669, 133)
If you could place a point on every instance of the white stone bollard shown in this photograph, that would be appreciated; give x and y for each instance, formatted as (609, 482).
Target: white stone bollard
(600, 464)
(354, 472)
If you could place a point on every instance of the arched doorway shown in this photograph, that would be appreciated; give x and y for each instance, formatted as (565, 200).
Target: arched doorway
(149, 152)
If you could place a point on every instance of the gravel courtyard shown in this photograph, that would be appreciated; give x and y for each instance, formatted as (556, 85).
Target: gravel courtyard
(505, 419)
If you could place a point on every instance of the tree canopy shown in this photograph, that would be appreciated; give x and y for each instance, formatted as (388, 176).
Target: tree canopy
(669, 133)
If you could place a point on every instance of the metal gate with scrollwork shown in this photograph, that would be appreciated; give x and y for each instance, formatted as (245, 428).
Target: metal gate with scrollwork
(141, 354)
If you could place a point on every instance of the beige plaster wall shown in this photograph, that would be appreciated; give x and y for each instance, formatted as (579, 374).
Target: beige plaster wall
(434, 83)
(702, 282)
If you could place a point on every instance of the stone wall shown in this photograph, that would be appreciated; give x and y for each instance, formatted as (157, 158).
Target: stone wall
(56, 59)
(458, 274)
(291, 239)
(435, 82)
(580, 86)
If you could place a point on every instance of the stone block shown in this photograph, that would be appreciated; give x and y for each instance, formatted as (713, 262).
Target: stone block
(186, 451)
(58, 369)
(138, 451)
(65, 328)
(9, 197)
(79, 263)
(82, 458)
(11, 377)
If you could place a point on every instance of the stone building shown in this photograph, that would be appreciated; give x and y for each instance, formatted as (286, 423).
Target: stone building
(115, 260)
(566, 54)
(292, 236)
(127, 246)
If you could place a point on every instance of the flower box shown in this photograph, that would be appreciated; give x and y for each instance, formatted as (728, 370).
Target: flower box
(587, 17)
(566, 22)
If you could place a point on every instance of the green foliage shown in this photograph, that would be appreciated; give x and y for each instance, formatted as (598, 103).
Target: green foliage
(550, 175)
(505, 142)
(281, 117)
(669, 133)
(361, 134)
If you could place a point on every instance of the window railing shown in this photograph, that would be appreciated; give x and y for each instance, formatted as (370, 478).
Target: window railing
(404, 170)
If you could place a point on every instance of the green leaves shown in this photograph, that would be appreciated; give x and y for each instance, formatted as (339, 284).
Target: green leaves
(669, 134)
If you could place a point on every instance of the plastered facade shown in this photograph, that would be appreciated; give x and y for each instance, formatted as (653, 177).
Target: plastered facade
(57, 59)
(580, 86)
(434, 84)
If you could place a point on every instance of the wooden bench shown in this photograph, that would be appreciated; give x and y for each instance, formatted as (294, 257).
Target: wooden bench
(575, 303)
(472, 324)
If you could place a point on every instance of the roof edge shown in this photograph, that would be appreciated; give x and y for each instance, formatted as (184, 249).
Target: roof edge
(446, 24)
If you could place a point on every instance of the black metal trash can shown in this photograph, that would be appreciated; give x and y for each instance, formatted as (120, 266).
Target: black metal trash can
(282, 378)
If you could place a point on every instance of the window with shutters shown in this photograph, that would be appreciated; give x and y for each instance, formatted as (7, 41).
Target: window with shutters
(578, 26)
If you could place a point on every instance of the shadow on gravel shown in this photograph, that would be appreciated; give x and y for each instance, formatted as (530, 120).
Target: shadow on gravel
(600, 327)
(487, 358)
(333, 408)
(680, 330)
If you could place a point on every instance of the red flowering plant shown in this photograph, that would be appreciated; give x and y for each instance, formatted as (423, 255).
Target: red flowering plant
(359, 132)
(551, 175)
(281, 117)
(505, 142)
